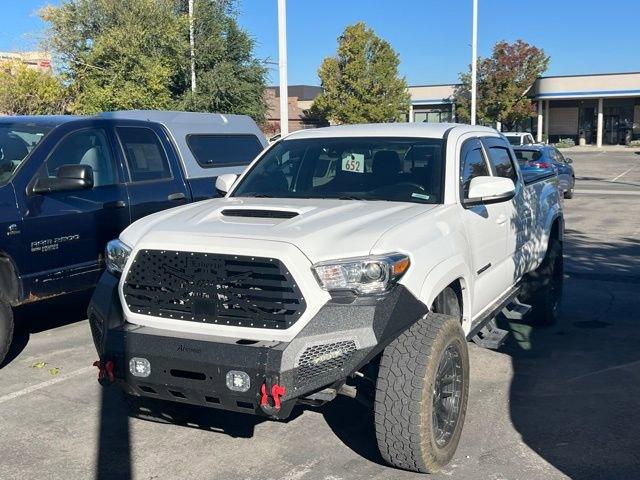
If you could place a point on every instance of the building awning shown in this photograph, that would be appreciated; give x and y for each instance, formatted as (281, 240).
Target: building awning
(431, 101)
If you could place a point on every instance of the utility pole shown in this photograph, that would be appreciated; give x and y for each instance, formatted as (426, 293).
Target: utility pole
(192, 45)
(282, 65)
(474, 62)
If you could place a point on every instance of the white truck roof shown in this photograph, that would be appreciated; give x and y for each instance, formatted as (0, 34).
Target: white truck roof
(426, 130)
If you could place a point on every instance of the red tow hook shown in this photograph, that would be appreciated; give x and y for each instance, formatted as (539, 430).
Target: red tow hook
(105, 371)
(276, 392)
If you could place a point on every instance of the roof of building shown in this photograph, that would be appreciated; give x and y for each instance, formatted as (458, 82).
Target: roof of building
(426, 130)
(303, 92)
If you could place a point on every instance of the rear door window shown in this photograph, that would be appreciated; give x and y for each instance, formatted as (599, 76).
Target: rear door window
(146, 157)
(223, 150)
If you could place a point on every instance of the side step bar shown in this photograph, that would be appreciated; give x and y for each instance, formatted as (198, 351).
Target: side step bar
(490, 336)
(516, 310)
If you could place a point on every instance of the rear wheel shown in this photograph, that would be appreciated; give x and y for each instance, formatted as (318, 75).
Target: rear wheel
(421, 394)
(542, 288)
(6, 329)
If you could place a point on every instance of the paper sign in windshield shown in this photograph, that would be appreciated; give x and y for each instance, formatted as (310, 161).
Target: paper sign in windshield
(353, 162)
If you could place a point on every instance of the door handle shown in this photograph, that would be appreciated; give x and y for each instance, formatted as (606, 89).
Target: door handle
(174, 197)
(114, 205)
(502, 219)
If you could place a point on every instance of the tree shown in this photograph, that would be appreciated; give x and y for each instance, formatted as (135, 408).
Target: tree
(504, 80)
(134, 54)
(361, 83)
(119, 55)
(229, 78)
(26, 91)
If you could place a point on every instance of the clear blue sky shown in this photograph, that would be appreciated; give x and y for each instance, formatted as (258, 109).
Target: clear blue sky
(431, 36)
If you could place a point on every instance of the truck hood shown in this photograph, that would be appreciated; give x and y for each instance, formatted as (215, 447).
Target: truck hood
(322, 229)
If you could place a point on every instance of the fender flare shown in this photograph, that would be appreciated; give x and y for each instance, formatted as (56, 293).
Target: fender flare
(10, 283)
(443, 274)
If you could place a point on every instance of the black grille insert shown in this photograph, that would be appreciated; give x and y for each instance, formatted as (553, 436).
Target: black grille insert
(258, 213)
(213, 288)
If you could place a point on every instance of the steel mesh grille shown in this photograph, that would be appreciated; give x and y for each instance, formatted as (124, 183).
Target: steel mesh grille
(319, 359)
(213, 288)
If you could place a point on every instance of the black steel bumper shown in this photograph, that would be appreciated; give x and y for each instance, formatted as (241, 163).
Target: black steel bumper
(343, 336)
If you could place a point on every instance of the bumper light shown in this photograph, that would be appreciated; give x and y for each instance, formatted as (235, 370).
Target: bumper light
(140, 367)
(116, 255)
(238, 381)
(364, 275)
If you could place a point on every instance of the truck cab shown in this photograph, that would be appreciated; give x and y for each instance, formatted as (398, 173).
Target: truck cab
(69, 184)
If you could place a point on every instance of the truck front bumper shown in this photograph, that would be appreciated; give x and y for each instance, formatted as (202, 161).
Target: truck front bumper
(343, 336)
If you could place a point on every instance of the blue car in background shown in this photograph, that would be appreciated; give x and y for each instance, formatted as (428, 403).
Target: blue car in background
(542, 157)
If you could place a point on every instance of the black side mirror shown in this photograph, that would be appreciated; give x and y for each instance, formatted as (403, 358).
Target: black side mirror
(68, 178)
(568, 160)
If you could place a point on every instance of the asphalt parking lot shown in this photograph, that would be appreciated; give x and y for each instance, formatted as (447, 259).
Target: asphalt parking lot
(552, 403)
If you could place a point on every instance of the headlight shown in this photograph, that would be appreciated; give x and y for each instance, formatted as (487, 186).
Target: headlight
(116, 255)
(364, 275)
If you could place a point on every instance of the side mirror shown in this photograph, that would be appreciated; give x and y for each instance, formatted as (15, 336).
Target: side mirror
(225, 182)
(568, 160)
(68, 178)
(487, 190)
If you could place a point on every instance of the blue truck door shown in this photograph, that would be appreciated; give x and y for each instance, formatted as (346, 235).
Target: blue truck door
(155, 179)
(67, 231)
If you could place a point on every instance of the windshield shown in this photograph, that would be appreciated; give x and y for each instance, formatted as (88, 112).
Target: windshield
(391, 169)
(16, 142)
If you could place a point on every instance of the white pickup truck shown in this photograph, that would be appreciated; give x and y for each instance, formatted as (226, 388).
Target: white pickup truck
(352, 259)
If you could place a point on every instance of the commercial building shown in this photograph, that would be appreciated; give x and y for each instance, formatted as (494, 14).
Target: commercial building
(601, 109)
(36, 60)
(300, 100)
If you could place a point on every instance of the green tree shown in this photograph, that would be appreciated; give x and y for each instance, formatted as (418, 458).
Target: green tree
(134, 54)
(121, 54)
(361, 83)
(504, 80)
(229, 78)
(26, 91)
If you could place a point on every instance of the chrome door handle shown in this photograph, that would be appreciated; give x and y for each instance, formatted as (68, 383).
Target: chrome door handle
(176, 196)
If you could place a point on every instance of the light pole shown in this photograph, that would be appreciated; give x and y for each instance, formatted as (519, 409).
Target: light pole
(192, 47)
(282, 64)
(474, 62)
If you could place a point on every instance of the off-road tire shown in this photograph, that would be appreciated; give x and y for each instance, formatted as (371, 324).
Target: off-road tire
(405, 391)
(542, 288)
(6, 329)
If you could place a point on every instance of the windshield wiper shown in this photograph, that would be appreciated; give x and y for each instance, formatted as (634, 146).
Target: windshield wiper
(348, 197)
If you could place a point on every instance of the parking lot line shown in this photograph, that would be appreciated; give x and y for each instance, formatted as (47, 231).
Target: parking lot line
(623, 174)
(48, 383)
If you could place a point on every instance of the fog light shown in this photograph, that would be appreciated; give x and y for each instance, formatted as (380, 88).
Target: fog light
(139, 367)
(238, 381)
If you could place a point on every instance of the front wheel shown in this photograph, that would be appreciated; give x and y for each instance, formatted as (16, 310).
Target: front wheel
(6, 329)
(421, 394)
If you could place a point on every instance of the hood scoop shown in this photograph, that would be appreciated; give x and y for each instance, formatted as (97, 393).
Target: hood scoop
(258, 213)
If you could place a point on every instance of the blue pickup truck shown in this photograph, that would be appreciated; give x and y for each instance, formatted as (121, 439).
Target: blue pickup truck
(70, 184)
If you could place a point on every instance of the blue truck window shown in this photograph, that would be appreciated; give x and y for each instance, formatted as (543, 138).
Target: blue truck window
(145, 154)
(223, 150)
(85, 147)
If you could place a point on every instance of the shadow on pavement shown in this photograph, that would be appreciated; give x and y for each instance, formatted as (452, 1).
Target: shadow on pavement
(44, 315)
(576, 387)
